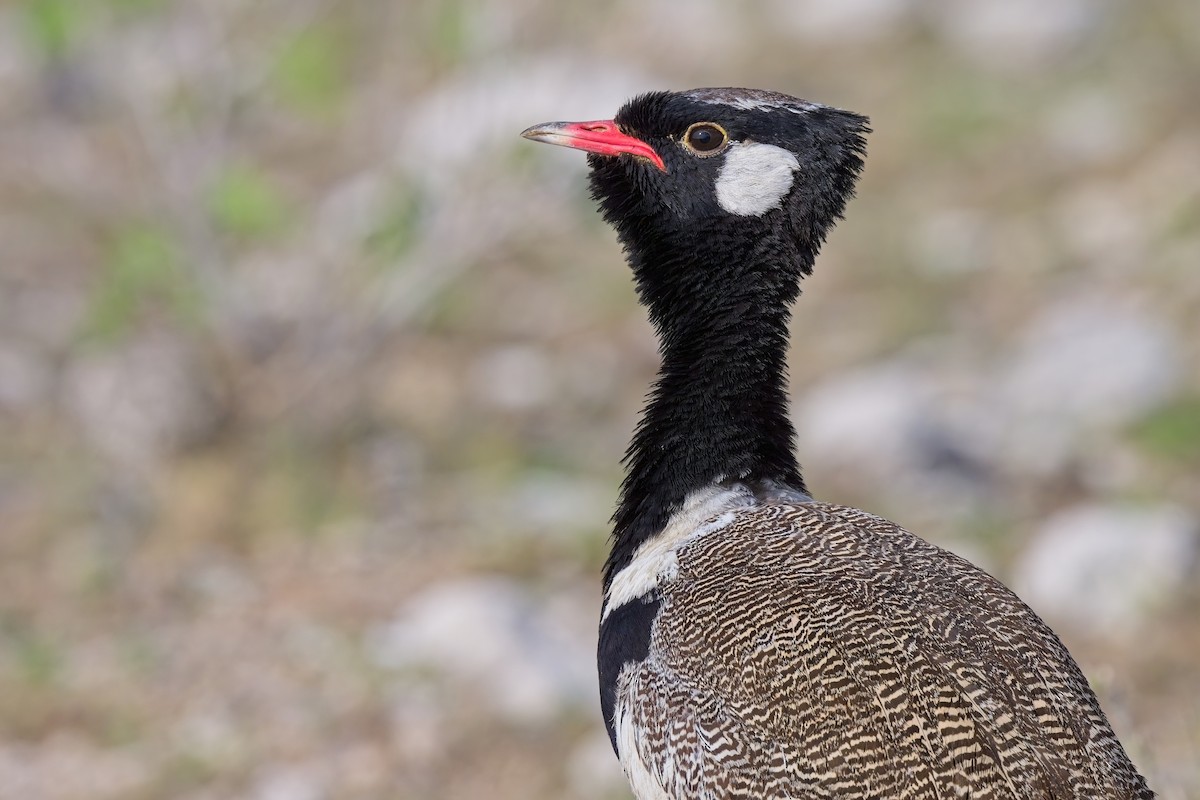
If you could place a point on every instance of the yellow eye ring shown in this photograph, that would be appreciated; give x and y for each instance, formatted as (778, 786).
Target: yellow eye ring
(705, 139)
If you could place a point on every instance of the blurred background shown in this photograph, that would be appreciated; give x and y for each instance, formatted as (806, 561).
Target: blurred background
(314, 376)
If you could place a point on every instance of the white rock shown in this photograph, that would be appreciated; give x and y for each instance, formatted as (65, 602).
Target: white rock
(142, 401)
(16, 65)
(210, 733)
(1091, 361)
(1101, 223)
(477, 112)
(472, 201)
(288, 783)
(911, 428)
(863, 417)
(820, 21)
(491, 636)
(278, 288)
(1104, 568)
(48, 317)
(1015, 33)
(593, 369)
(708, 27)
(24, 378)
(557, 503)
(348, 213)
(419, 725)
(514, 377)
(69, 765)
(1086, 365)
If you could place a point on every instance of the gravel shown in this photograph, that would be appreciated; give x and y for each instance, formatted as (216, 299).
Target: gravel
(1106, 568)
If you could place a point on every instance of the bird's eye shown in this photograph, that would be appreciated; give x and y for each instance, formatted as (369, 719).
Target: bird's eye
(705, 138)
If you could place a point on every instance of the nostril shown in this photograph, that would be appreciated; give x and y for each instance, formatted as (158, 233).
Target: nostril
(595, 128)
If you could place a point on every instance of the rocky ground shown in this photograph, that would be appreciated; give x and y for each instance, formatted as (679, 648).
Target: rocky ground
(315, 377)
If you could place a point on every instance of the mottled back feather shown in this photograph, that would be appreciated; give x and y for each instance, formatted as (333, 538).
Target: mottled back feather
(816, 651)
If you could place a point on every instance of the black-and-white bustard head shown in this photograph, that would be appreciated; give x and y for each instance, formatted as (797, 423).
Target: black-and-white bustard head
(753, 641)
(721, 198)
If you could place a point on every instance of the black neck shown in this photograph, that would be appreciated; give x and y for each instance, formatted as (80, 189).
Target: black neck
(719, 410)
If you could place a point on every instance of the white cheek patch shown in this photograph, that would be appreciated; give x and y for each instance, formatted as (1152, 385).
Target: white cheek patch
(755, 177)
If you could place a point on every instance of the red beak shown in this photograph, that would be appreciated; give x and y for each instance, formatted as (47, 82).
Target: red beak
(599, 136)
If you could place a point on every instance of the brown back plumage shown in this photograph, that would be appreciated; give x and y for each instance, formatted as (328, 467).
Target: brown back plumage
(812, 650)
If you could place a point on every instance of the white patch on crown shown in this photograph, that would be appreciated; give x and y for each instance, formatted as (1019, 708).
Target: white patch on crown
(655, 561)
(759, 101)
(755, 177)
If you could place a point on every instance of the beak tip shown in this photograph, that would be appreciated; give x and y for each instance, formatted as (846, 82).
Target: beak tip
(537, 133)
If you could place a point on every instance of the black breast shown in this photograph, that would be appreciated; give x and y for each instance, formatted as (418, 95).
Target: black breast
(624, 638)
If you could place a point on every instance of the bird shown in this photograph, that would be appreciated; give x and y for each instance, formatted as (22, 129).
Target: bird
(755, 641)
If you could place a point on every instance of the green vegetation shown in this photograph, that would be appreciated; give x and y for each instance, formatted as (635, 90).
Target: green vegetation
(143, 272)
(396, 230)
(1173, 431)
(53, 26)
(243, 202)
(37, 658)
(310, 71)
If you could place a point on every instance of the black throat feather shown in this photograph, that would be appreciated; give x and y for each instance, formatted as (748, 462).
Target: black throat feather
(720, 301)
(718, 289)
